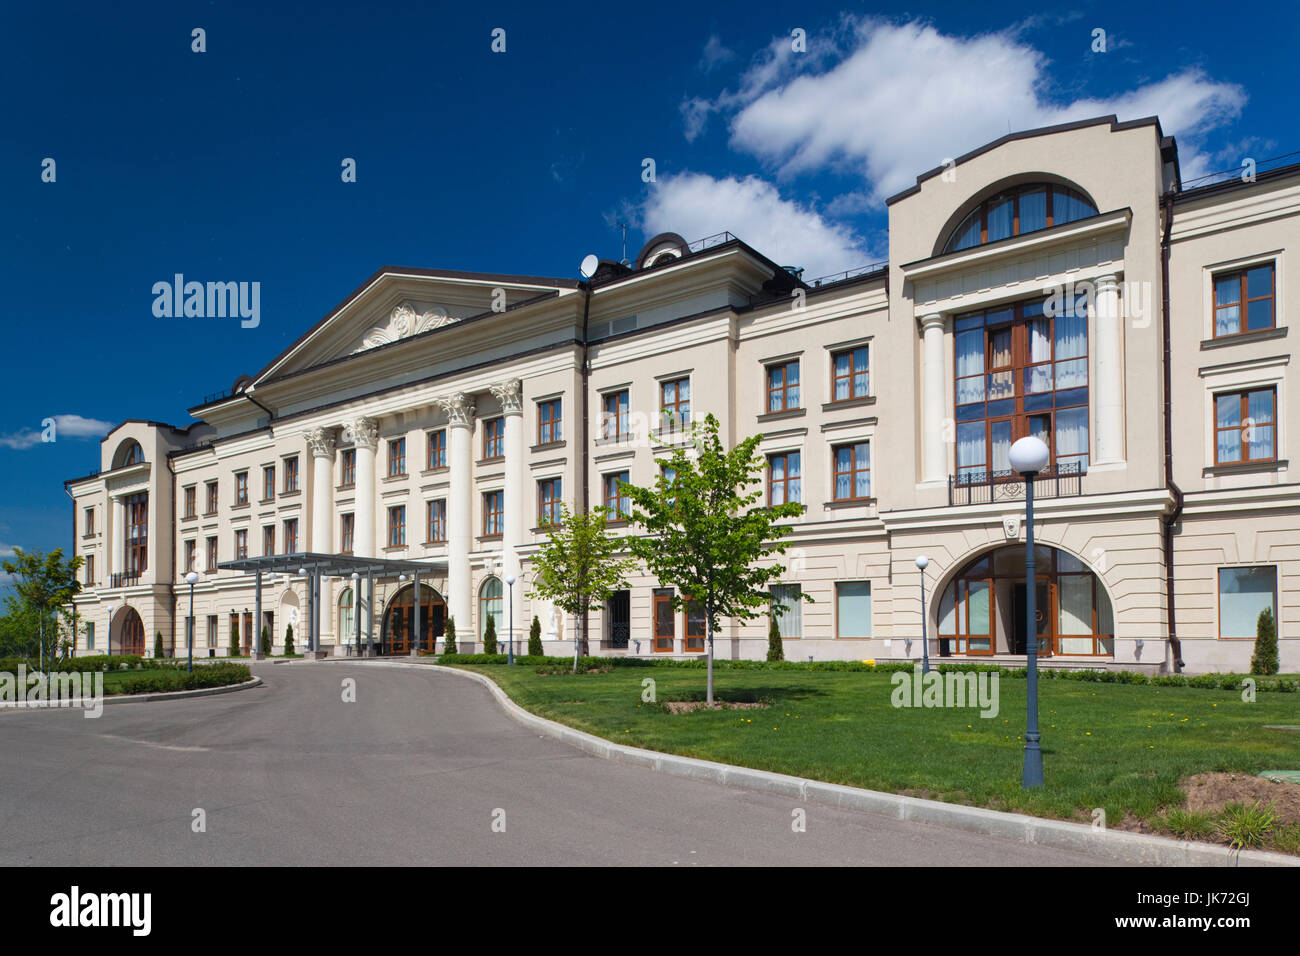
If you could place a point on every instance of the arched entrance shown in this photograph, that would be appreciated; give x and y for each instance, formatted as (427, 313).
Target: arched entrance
(398, 628)
(982, 610)
(131, 639)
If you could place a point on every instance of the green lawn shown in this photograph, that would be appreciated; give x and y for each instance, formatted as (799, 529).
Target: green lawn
(1117, 746)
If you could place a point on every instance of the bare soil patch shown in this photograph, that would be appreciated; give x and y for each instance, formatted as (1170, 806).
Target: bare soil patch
(689, 706)
(1211, 792)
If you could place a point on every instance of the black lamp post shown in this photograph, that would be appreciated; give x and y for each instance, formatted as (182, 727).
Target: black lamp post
(1028, 457)
(921, 563)
(510, 583)
(190, 579)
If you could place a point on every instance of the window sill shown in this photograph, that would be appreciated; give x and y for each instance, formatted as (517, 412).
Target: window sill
(850, 403)
(289, 492)
(440, 470)
(549, 446)
(389, 479)
(434, 544)
(492, 461)
(191, 517)
(348, 487)
(849, 503)
(1241, 338)
(783, 414)
(1245, 467)
(209, 514)
(395, 547)
(240, 507)
(490, 537)
(267, 501)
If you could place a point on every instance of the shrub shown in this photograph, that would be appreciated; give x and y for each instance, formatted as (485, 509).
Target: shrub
(449, 636)
(535, 639)
(157, 645)
(1264, 660)
(266, 640)
(490, 635)
(162, 679)
(234, 639)
(288, 640)
(775, 650)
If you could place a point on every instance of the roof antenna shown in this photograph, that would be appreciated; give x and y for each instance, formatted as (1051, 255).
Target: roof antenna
(623, 226)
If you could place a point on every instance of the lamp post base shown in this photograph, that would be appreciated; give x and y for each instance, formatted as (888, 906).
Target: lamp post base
(1032, 776)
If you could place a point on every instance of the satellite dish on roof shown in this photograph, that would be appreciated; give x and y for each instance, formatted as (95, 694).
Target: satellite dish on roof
(588, 267)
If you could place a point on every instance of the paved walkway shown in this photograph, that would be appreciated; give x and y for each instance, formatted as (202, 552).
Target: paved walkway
(415, 772)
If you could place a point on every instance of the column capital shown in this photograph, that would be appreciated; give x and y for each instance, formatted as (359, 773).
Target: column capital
(459, 407)
(932, 320)
(1107, 283)
(510, 395)
(321, 442)
(364, 432)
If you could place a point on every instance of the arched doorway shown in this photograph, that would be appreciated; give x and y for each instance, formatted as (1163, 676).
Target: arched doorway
(131, 640)
(982, 610)
(489, 605)
(396, 636)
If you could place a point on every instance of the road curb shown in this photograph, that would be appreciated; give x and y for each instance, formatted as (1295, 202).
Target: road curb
(1127, 848)
(143, 698)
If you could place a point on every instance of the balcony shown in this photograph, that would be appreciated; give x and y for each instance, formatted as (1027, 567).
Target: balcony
(1065, 480)
(123, 579)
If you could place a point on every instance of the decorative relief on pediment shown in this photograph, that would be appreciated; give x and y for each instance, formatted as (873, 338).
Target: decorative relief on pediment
(403, 323)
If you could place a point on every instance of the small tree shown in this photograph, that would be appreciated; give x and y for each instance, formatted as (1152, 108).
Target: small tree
(704, 534)
(43, 583)
(234, 639)
(535, 648)
(288, 640)
(578, 567)
(775, 649)
(1264, 660)
(266, 640)
(157, 644)
(449, 636)
(490, 635)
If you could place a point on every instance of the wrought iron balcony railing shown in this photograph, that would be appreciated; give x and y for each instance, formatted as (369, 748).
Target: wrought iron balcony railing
(984, 487)
(122, 579)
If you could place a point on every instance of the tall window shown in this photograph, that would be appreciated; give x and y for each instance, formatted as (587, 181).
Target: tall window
(191, 554)
(241, 488)
(489, 604)
(548, 502)
(784, 478)
(1244, 593)
(349, 463)
(849, 371)
(291, 474)
(347, 617)
(852, 608)
(191, 503)
(212, 554)
(493, 512)
(347, 529)
(1021, 371)
(1244, 426)
(241, 543)
(397, 526)
(90, 564)
(549, 417)
(268, 540)
(291, 536)
(212, 497)
(675, 404)
(212, 630)
(268, 482)
(614, 421)
(852, 471)
(1249, 291)
(494, 438)
(90, 521)
(696, 626)
(437, 520)
(787, 608)
(618, 504)
(396, 457)
(137, 533)
(436, 450)
(783, 386)
(90, 635)
(1018, 211)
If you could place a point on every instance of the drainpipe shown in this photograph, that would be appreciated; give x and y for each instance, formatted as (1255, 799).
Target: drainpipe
(171, 584)
(586, 451)
(1171, 519)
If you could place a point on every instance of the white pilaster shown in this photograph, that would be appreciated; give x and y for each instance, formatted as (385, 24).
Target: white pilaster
(321, 443)
(365, 435)
(118, 533)
(516, 497)
(1108, 390)
(934, 449)
(460, 414)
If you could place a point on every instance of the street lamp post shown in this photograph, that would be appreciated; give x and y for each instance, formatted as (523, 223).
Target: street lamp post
(1028, 457)
(112, 609)
(510, 583)
(921, 563)
(190, 579)
(356, 610)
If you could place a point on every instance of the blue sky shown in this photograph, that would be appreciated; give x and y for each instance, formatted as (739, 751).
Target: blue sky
(225, 165)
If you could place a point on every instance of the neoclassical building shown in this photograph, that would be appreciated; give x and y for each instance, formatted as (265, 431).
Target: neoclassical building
(1059, 282)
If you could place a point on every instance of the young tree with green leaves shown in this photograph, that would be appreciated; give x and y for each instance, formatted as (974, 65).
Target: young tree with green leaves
(157, 644)
(44, 583)
(1264, 660)
(706, 532)
(775, 649)
(288, 640)
(234, 639)
(535, 648)
(490, 635)
(266, 641)
(579, 566)
(449, 636)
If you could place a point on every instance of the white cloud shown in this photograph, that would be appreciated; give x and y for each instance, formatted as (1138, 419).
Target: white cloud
(894, 100)
(714, 54)
(65, 426)
(696, 205)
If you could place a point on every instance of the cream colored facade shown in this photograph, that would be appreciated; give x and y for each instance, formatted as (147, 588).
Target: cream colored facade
(418, 351)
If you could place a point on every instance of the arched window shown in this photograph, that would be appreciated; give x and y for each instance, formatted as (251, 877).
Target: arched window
(1018, 211)
(128, 453)
(347, 618)
(489, 604)
(397, 634)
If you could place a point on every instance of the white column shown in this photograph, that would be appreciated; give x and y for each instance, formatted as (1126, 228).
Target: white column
(934, 449)
(460, 414)
(1108, 391)
(321, 443)
(365, 435)
(118, 533)
(516, 497)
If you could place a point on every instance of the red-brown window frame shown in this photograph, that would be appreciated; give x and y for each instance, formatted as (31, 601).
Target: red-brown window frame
(213, 496)
(1243, 303)
(435, 455)
(784, 482)
(494, 438)
(853, 471)
(550, 498)
(493, 513)
(397, 457)
(660, 596)
(348, 467)
(241, 487)
(1244, 396)
(241, 543)
(291, 474)
(191, 555)
(784, 388)
(1015, 194)
(613, 503)
(620, 416)
(290, 535)
(137, 529)
(268, 540)
(347, 533)
(675, 415)
(191, 502)
(550, 415)
(852, 377)
(268, 482)
(212, 555)
(397, 526)
(435, 514)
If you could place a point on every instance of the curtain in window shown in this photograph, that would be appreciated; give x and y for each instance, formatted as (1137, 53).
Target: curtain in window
(1033, 211)
(1072, 436)
(970, 446)
(1259, 408)
(346, 618)
(978, 611)
(853, 609)
(1074, 607)
(1228, 416)
(1001, 447)
(948, 610)
(794, 489)
(1243, 594)
(789, 619)
(1001, 218)
(970, 362)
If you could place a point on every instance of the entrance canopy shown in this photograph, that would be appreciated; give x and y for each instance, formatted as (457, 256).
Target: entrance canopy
(340, 565)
